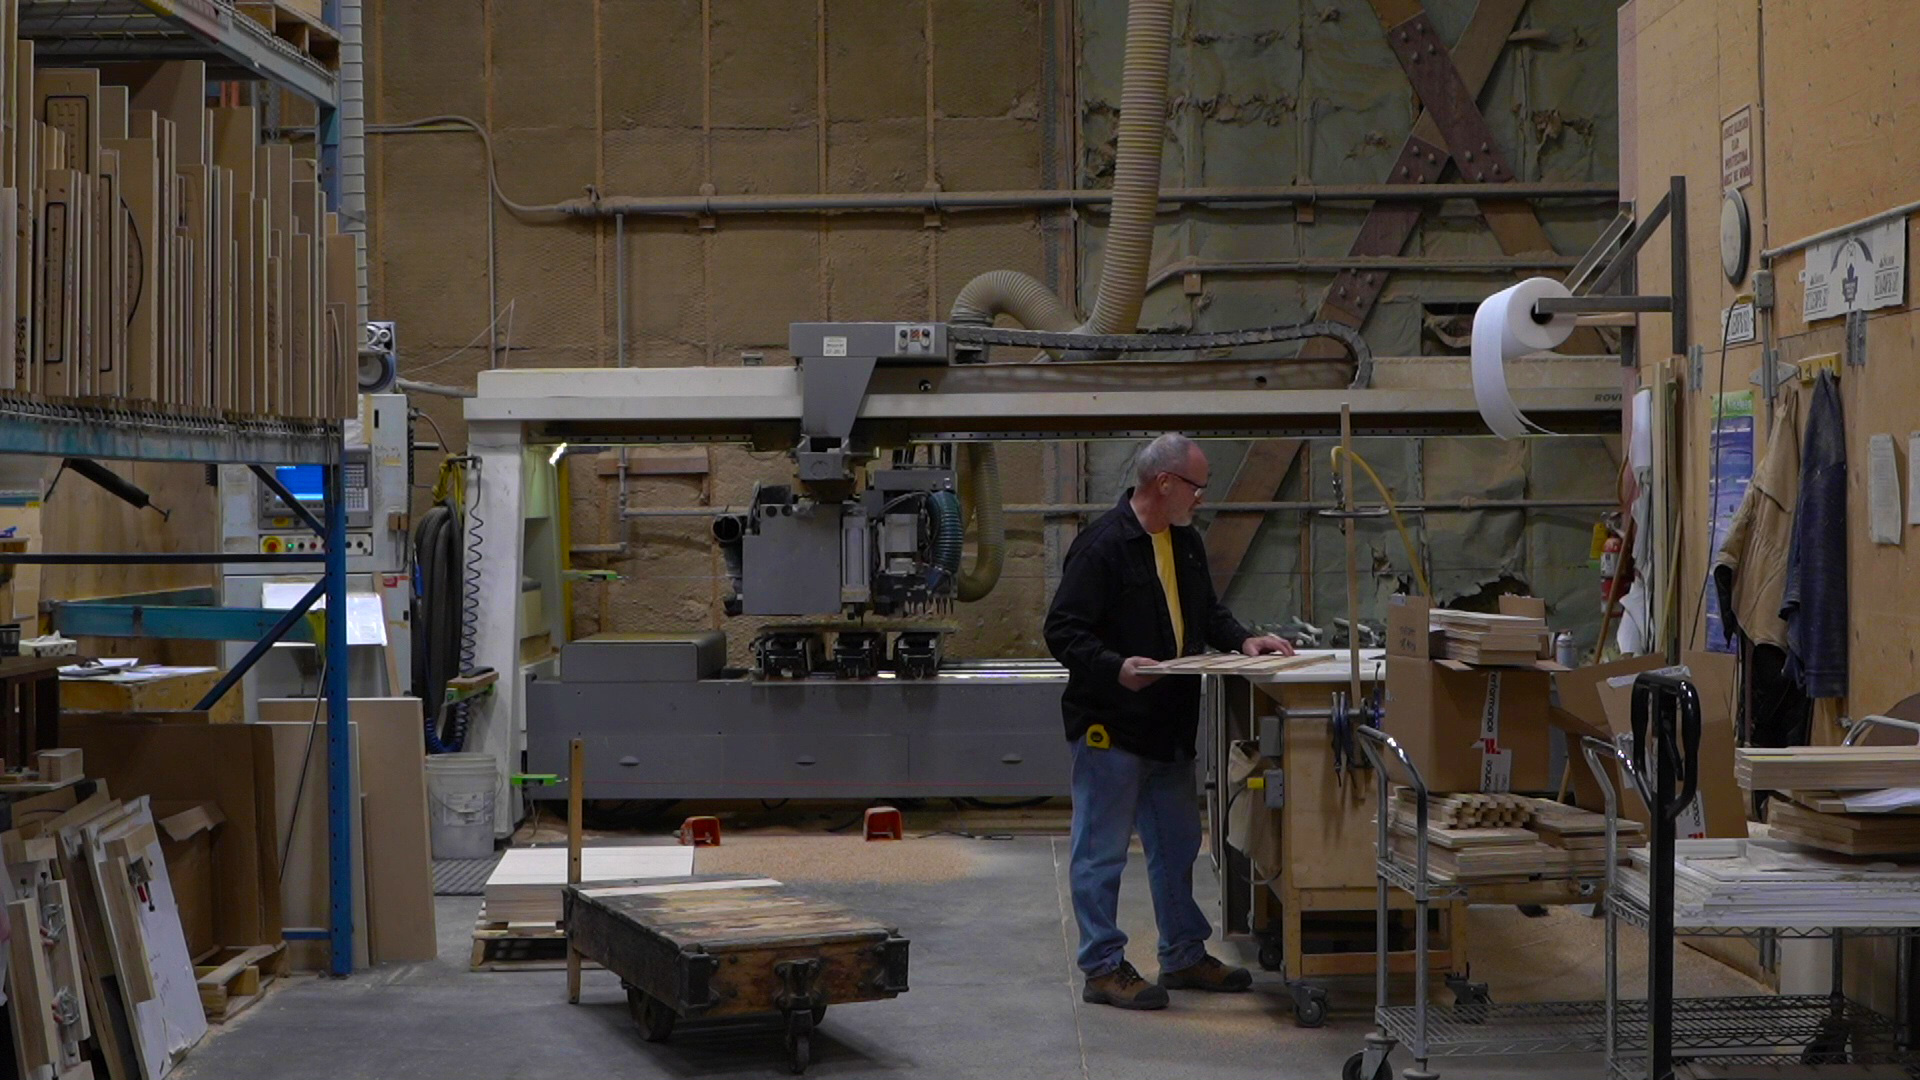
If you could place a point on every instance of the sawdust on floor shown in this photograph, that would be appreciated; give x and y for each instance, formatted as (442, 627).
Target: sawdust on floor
(1563, 958)
(798, 858)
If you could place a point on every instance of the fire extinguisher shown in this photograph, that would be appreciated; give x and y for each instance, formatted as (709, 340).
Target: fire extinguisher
(1616, 565)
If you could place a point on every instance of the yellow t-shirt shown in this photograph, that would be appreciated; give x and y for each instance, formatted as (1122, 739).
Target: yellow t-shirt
(1170, 584)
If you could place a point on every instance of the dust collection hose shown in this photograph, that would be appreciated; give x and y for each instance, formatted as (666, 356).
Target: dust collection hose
(1123, 271)
(980, 495)
(949, 534)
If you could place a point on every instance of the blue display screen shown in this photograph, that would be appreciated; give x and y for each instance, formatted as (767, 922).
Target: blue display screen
(306, 483)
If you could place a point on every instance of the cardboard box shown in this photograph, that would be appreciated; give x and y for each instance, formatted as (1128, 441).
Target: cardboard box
(186, 839)
(59, 765)
(231, 765)
(1600, 699)
(1466, 728)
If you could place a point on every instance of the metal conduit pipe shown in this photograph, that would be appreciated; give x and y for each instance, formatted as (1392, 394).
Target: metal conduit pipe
(917, 202)
(1447, 506)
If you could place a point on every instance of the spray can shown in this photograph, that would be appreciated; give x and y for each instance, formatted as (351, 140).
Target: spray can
(1563, 649)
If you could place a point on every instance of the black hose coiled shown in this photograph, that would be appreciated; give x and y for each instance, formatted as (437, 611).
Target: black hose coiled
(436, 634)
(949, 537)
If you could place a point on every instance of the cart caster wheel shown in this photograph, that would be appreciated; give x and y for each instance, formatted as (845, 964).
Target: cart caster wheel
(1824, 1053)
(1272, 957)
(1351, 1070)
(799, 1042)
(653, 1016)
(1311, 1011)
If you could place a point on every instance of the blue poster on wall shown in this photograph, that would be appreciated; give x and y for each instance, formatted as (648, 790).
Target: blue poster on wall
(1731, 461)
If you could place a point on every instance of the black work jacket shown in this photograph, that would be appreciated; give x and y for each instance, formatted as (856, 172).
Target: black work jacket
(1110, 606)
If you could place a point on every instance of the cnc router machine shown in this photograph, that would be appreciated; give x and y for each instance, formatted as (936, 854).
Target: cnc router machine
(833, 707)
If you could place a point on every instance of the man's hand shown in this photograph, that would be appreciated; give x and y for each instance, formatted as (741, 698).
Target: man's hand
(1266, 643)
(1130, 676)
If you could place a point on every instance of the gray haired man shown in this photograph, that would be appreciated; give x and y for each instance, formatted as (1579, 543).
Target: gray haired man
(1135, 589)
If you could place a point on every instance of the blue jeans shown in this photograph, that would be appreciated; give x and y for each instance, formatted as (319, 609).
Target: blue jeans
(1115, 792)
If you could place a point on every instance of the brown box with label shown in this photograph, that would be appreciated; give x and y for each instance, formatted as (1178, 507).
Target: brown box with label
(1600, 696)
(1442, 711)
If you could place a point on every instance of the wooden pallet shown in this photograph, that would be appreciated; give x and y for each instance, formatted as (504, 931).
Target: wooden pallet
(231, 979)
(298, 29)
(519, 947)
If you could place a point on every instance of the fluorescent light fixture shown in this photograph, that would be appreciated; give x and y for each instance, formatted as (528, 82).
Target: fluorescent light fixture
(558, 453)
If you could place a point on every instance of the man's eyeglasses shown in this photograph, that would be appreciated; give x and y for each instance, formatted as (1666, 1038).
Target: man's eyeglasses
(1198, 488)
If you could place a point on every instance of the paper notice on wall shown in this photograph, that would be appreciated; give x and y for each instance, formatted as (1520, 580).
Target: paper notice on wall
(1736, 149)
(1913, 479)
(1883, 491)
(1861, 271)
(1731, 464)
(1496, 764)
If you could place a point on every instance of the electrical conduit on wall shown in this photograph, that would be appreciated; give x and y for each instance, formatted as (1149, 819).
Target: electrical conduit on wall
(1123, 271)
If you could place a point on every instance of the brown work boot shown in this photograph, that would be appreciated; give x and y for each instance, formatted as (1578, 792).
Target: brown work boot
(1208, 974)
(1123, 988)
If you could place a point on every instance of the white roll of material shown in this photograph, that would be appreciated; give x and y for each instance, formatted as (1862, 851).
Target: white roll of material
(1503, 329)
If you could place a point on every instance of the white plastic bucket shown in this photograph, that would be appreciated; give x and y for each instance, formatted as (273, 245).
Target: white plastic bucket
(460, 796)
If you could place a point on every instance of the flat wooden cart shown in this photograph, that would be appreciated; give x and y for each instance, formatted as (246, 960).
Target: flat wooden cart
(733, 946)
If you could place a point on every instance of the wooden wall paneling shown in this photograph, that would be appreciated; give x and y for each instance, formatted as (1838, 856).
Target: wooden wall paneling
(280, 207)
(9, 297)
(112, 280)
(196, 299)
(308, 221)
(10, 109)
(166, 284)
(140, 198)
(236, 145)
(220, 322)
(26, 164)
(113, 113)
(68, 100)
(259, 303)
(62, 224)
(300, 325)
(342, 262)
(276, 332)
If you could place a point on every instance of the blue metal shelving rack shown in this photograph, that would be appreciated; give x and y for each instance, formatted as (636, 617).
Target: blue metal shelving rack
(234, 47)
(103, 433)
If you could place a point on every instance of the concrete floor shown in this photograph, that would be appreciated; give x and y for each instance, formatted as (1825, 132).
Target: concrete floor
(994, 994)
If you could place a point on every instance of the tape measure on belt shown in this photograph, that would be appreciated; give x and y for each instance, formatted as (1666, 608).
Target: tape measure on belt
(1098, 738)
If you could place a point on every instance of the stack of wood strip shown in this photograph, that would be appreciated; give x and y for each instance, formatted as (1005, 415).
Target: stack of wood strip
(1471, 809)
(1575, 829)
(1487, 863)
(1848, 834)
(1474, 637)
(1827, 768)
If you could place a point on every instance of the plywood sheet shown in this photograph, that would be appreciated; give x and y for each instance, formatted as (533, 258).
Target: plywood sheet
(399, 866)
(303, 884)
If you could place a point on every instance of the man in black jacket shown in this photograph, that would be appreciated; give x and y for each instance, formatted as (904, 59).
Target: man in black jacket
(1135, 589)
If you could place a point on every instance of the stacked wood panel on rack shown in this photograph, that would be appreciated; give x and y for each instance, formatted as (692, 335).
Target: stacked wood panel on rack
(163, 256)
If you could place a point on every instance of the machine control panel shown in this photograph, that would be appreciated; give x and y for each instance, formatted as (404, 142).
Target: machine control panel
(306, 484)
(306, 543)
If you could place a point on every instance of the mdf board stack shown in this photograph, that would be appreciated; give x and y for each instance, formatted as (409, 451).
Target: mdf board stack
(1473, 637)
(162, 256)
(1848, 834)
(1834, 768)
